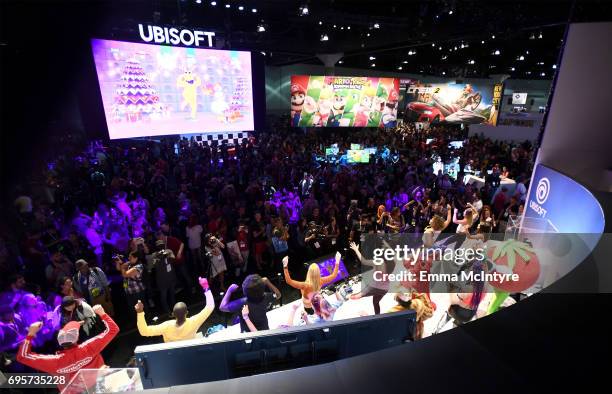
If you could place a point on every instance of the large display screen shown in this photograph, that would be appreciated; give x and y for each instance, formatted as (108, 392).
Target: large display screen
(150, 90)
(329, 101)
(453, 103)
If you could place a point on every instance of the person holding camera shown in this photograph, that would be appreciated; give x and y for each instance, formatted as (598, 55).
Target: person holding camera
(165, 275)
(132, 274)
(213, 247)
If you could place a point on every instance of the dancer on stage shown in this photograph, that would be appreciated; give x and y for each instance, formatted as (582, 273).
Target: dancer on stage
(313, 282)
(72, 358)
(182, 327)
(256, 298)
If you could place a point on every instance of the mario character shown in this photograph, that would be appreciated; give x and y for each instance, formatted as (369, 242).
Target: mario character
(298, 94)
(190, 83)
(389, 114)
(362, 111)
(338, 104)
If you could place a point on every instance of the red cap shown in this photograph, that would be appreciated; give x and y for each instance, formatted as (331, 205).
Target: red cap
(297, 88)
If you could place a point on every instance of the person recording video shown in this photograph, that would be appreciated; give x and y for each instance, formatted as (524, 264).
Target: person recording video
(217, 266)
(165, 275)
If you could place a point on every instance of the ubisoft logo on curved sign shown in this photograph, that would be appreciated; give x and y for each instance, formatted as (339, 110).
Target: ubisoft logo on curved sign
(541, 195)
(542, 190)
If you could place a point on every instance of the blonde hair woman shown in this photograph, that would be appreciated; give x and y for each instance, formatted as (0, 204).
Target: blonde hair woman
(313, 282)
(463, 225)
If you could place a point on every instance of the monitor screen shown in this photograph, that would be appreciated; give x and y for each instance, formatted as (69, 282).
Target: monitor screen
(331, 151)
(358, 156)
(455, 144)
(326, 266)
(151, 90)
(355, 146)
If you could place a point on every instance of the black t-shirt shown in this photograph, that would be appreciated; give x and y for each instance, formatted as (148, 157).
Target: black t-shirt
(257, 311)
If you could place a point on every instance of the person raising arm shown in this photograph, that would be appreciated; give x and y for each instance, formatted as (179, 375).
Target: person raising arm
(183, 327)
(313, 282)
(72, 358)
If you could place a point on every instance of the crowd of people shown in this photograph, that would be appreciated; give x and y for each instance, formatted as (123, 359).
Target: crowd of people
(139, 222)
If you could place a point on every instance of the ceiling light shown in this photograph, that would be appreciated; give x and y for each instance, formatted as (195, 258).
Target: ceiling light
(521, 58)
(512, 69)
(439, 48)
(482, 42)
(261, 28)
(540, 63)
(241, 8)
(444, 57)
(526, 52)
(376, 26)
(471, 62)
(528, 72)
(455, 48)
(254, 10)
(543, 74)
(341, 61)
(493, 36)
(348, 28)
(304, 10)
(227, 6)
(324, 37)
(372, 58)
(213, 3)
(341, 27)
(433, 44)
(443, 72)
(263, 53)
(554, 66)
(532, 36)
(405, 62)
(373, 65)
(399, 68)
(450, 12)
(497, 52)
(368, 34)
(540, 36)
(334, 26)
(199, 1)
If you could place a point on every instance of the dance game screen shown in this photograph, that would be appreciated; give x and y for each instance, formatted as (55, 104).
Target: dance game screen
(151, 90)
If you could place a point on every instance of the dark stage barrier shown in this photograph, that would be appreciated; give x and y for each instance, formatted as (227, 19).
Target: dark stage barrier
(203, 360)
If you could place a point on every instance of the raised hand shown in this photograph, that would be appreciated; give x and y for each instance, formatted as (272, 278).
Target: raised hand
(354, 246)
(338, 257)
(285, 261)
(233, 287)
(245, 312)
(99, 310)
(34, 328)
(139, 307)
(203, 283)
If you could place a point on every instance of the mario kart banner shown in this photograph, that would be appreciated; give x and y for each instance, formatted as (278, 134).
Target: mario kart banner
(329, 101)
(453, 103)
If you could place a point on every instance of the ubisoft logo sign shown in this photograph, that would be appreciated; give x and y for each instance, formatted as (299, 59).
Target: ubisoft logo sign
(542, 190)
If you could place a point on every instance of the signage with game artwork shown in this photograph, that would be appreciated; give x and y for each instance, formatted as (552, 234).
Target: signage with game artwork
(328, 101)
(453, 103)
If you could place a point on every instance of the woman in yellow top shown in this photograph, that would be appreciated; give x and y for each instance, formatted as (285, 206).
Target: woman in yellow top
(182, 327)
(313, 282)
